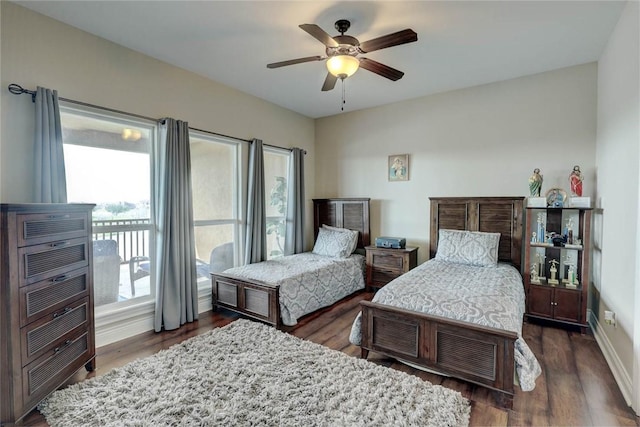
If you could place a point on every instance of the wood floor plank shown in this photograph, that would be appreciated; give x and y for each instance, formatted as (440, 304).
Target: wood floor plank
(568, 404)
(576, 388)
(486, 415)
(590, 363)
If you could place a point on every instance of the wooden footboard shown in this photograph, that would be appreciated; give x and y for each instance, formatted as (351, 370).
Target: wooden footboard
(251, 298)
(477, 354)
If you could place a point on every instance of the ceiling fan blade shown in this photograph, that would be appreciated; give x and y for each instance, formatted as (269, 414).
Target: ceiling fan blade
(319, 34)
(401, 37)
(296, 61)
(329, 82)
(381, 69)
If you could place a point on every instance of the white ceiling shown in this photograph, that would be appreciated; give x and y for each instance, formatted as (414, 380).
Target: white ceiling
(460, 43)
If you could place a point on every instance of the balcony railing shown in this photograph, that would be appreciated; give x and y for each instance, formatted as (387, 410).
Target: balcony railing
(131, 235)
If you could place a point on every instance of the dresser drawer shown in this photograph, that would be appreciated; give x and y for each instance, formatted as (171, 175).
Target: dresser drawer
(44, 374)
(52, 295)
(53, 331)
(47, 260)
(49, 227)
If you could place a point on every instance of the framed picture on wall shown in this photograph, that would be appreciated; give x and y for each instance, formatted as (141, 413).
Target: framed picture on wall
(398, 167)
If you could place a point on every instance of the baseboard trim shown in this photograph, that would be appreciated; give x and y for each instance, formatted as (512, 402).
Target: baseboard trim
(622, 377)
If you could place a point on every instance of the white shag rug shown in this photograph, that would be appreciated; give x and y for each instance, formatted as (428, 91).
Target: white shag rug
(247, 373)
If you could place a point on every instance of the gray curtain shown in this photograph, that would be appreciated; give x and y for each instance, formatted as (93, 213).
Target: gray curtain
(294, 237)
(51, 182)
(176, 281)
(256, 243)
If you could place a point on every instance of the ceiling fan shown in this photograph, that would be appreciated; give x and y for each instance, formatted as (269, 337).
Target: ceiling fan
(342, 53)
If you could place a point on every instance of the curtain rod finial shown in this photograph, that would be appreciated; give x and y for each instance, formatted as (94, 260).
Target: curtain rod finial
(16, 89)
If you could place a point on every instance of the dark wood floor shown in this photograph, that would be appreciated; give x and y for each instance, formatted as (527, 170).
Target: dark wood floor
(576, 386)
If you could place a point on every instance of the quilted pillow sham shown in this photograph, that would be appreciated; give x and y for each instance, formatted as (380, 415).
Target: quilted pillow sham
(468, 247)
(352, 233)
(332, 243)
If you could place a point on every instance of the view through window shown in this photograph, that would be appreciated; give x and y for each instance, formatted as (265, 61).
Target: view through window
(276, 172)
(107, 162)
(215, 185)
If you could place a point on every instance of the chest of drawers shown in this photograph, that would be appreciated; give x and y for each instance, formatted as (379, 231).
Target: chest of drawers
(46, 308)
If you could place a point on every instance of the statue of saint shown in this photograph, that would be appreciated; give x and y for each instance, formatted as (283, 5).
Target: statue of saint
(535, 183)
(575, 181)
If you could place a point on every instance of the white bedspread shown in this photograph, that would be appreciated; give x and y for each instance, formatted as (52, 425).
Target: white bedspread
(307, 281)
(487, 296)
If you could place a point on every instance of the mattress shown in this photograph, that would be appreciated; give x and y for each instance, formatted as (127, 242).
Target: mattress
(307, 281)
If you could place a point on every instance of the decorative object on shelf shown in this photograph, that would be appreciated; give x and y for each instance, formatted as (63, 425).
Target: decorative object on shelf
(568, 261)
(536, 202)
(580, 202)
(540, 229)
(553, 280)
(556, 197)
(541, 259)
(399, 167)
(534, 238)
(535, 278)
(535, 183)
(575, 181)
(568, 231)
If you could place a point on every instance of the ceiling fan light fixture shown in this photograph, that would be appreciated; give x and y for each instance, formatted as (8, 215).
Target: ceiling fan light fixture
(343, 66)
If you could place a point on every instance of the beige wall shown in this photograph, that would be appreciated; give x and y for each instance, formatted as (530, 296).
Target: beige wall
(618, 169)
(39, 51)
(481, 141)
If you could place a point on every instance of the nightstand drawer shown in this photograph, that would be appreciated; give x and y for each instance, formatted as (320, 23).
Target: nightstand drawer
(388, 261)
(382, 276)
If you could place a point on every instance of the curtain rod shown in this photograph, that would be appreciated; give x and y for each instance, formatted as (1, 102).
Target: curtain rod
(16, 89)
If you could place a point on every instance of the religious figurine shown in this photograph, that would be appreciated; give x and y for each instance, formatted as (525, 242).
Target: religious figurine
(575, 181)
(535, 183)
(554, 270)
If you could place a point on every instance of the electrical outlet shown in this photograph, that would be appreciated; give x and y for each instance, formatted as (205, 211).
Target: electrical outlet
(609, 317)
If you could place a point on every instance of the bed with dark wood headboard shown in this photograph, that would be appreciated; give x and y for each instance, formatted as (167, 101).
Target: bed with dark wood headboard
(478, 354)
(260, 299)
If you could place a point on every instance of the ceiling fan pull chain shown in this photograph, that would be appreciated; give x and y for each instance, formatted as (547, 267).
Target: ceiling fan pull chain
(343, 101)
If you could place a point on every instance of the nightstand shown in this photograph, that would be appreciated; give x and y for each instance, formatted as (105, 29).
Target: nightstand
(384, 265)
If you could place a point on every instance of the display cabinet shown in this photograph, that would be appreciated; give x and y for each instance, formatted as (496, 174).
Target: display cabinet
(556, 267)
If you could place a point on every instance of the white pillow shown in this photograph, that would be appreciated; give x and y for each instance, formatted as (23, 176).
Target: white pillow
(353, 233)
(468, 247)
(331, 243)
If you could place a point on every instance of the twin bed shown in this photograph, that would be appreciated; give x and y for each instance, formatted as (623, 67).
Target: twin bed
(282, 290)
(459, 314)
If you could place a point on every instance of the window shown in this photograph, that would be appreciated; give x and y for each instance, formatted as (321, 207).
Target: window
(107, 162)
(215, 171)
(276, 173)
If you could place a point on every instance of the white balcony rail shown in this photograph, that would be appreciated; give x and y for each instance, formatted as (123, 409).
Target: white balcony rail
(131, 235)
